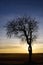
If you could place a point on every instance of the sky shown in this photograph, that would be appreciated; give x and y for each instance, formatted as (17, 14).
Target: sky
(10, 9)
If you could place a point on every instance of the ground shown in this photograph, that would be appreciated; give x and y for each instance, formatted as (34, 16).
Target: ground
(18, 58)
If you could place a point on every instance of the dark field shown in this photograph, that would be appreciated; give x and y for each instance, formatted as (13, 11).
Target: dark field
(16, 58)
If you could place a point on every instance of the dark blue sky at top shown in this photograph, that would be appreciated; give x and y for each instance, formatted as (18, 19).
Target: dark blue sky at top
(12, 8)
(8, 7)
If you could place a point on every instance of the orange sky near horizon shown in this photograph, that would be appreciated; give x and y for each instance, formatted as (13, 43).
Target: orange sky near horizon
(23, 48)
(18, 46)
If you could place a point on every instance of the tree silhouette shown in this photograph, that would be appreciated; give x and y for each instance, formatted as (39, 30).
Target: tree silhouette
(24, 28)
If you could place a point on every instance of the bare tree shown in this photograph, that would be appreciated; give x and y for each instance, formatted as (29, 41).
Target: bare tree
(24, 28)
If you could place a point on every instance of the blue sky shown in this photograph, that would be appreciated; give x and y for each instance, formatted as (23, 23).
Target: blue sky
(20, 7)
(10, 9)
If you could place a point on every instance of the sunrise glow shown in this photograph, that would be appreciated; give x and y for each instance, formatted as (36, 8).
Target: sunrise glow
(10, 10)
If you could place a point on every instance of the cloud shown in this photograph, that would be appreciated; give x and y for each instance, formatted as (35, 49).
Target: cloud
(8, 47)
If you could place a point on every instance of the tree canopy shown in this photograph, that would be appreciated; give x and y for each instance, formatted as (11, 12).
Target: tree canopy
(22, 27)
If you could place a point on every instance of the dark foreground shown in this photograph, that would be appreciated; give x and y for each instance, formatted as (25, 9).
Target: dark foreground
(13, 59)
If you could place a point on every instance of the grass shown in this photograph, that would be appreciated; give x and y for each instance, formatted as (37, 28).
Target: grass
(18, 58)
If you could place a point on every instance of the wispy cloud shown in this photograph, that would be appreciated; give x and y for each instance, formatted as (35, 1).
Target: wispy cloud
(8, 47)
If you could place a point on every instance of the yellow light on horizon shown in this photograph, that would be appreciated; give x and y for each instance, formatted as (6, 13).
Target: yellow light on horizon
(36, 48)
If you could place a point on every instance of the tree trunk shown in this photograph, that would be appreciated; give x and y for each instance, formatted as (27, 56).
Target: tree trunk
(30, 47)
(30, 53)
